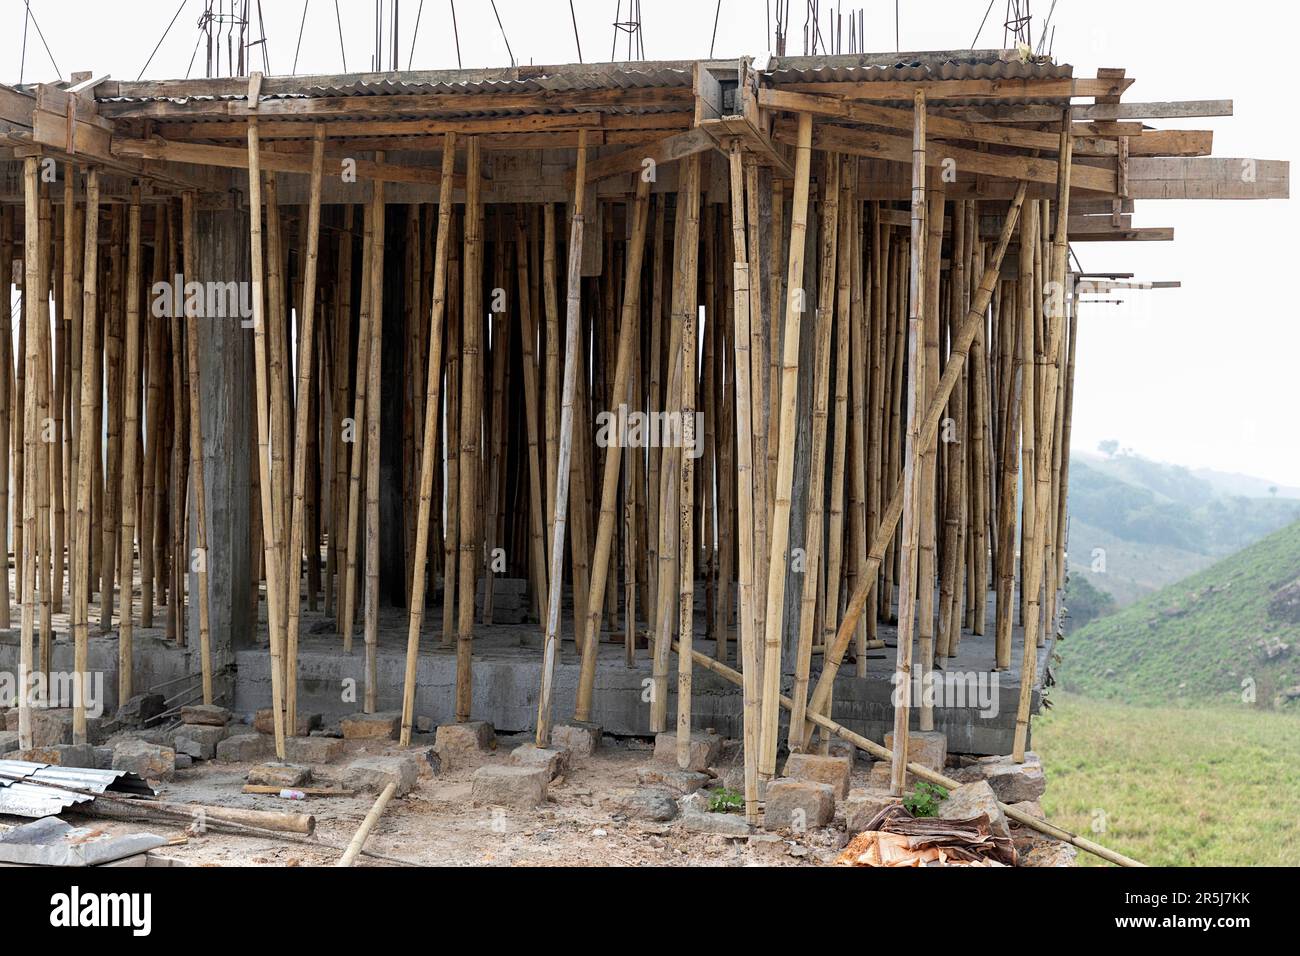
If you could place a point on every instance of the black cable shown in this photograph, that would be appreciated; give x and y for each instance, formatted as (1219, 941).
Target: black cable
(574, 17)
(301, 26)
(509, 52)
(982, 22)
(163, 37)
(40, 33)
(717, 13)
(456, 33)
(22, 63)
(343, 52)
(414, 33)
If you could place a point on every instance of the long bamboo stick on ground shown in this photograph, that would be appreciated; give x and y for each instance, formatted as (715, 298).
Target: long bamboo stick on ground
(272, 558)
(628, 334)
(778, 564)
(550, 645)
(306, 360)
(432, 405)
(363, 832)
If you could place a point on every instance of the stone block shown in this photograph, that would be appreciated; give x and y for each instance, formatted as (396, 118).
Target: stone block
(815, 768)
(464, 743)
(184, 761)
(60, 755)
(281, 775)
(207, 714)
(50, 726)
(862, 806)
(145, 759)
(244, 748)
(697, 817)
(878, 777)
(1050, 853)
(554, 762)
(140, 709)
(103, 758)
(520, 787)
(8, 741)
(798, 805)
(199, 741)
(264, 722)
(373, 774)
(704, 750)
(313, 749)
(972, 799)
(582, 739)
(424, 725)
(929, 748)
(1014, 782)
(842, 748)
(641, 803)
(678, 781)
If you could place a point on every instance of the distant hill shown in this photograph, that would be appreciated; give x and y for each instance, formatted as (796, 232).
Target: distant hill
(1229, 629)
(1137, 525)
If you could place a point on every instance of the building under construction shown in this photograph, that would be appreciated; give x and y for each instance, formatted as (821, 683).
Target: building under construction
(652, 397)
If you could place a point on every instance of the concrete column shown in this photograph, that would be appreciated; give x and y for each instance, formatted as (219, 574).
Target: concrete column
(226, 390)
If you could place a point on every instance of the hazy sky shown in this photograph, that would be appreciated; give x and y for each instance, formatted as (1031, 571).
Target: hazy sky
(1205, 375)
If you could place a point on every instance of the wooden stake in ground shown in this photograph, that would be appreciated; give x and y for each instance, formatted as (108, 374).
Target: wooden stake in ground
(778, 565)
(272, 557)
(628, 334)
(306, 359)
(428, 460)
(564, 451)
(470, 426)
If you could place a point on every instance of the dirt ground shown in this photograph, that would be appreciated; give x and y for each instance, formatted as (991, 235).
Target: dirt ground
(437, 824)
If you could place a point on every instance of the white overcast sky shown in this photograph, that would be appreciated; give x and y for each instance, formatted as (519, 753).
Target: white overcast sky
(1204, 376)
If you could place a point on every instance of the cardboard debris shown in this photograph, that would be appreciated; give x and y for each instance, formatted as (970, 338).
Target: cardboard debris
(896, 838)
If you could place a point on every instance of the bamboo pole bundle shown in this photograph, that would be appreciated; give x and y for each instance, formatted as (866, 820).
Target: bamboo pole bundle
(958, 351)
(758, 207)
(880, 257)
(272, 558)
(179, 558)
(306, 360)
(654, 401)
(342, 352)
(602, 557)
(131, 430)
(153, 414)
(62, 385)
(564, 435)
(687, 256)
(780, 524)
(724, 602)
(814, 526)
(857, 369)
(470, 427)
(1043, 465)
(428, 452)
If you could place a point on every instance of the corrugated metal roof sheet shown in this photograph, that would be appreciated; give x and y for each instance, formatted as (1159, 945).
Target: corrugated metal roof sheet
(815, 70)
(43, 797)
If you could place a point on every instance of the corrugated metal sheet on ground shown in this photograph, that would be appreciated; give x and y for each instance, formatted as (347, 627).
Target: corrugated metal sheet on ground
(43, 797)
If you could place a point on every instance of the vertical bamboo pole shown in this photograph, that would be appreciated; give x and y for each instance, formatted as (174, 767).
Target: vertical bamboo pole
(470, 426)
(375, 279)
(451, 544)
(926, 558)
(31, 309)
(306, 359)
(602, 558)
(778, 564)
(564, 446)
(131, 431)
(428, 451)
(86, 439)
(364, 342)
(48, 436)
(6, 410)
(272, 557)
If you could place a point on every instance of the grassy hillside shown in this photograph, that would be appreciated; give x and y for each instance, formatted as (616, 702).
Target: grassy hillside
(1215, 637)
(1173, 786)
(1137, 525)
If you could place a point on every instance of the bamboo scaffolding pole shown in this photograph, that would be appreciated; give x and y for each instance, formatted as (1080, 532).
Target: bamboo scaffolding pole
(359, 450)
(1056, 315)
(762, 332)
(525, 281)
(927, 526)
(815, 523)
(375, 279)
(564, 447)
(428, 452)
(48, 436)
(68, 348)
(179, 559)
(363, 832)
(928, 428)
(451, 543)
(778, 564)
(131, 431)
(6, 411)
(272, 558)
(470, 427)
(687, 255)
(628, 334)
(342, 352)
(31, 310)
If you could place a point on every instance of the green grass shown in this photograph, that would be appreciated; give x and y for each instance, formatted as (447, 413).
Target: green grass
(1172, 785)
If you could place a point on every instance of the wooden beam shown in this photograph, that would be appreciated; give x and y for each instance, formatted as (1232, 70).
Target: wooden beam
(999, 89)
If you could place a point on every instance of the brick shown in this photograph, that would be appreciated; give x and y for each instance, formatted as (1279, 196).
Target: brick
(243, 748)
(797, 805)
(522, 787)
(704, 750)
(554, 762)
(313, 749)
(464, 743)
(640, 803)
(144, 759)
(580, 738)
(375, 773)
(282, 775)
(815, 768)
(678, 781)
(199, 741)
(862, 806)
(970, 800)
(264, 722)
(206, 714)
(929, 748)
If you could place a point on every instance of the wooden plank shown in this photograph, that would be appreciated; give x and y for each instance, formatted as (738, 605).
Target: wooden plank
(1208, 178)
(1044, 113)
(1011, 88)
(666, 150)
